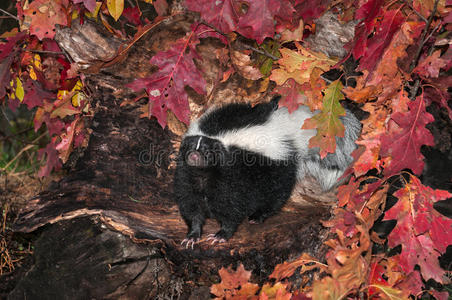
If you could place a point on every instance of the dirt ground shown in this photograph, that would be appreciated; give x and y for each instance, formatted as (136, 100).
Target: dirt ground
(16, 249)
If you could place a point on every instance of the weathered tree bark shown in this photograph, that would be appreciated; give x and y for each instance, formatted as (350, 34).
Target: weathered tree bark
(116, 231)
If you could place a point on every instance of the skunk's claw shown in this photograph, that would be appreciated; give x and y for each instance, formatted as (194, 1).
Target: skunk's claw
(189, 243)
(215, 239)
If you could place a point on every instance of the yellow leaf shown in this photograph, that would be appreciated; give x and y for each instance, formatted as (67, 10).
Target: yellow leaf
(37, 61)
(389, 292)
(115, 8)
(74, 14)
(77, 98)
(61, 94)
(19, 90)
(32, 73)
(78, 86)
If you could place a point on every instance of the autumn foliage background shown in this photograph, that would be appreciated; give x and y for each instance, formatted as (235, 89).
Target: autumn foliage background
(401, 57)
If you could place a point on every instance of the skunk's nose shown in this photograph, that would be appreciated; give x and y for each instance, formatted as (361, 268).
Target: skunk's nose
(194, 159)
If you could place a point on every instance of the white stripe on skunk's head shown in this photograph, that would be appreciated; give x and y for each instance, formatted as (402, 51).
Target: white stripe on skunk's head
(202, 152)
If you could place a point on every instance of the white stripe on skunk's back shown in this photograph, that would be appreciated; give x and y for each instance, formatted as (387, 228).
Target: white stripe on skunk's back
(275, 138)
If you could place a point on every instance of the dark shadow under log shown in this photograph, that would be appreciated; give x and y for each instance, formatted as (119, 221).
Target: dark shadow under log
(116, 231)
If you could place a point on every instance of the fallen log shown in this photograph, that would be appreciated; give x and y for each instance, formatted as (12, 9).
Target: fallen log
(110, 228)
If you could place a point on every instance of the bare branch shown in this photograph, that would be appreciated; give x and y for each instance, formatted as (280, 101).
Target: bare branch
(422, 40)
(416, 12)
(44, 52)
(10, 15)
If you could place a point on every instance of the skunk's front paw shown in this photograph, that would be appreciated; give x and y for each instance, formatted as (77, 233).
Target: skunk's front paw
(215, 239)
(189, 242)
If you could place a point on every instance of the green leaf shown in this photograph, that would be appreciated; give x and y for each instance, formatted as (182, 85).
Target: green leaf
(327, 122)
(266, 66)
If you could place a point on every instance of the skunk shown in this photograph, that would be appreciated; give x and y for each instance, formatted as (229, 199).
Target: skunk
(238, 161)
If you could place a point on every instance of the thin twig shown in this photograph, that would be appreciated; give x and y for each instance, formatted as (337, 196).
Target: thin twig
(6, 117)
(7, 137)
(431, 33)
(44, 52)
(422, 39)
(263, 52)
(417, 83)
(31, 145)
(7, 13)
(214, 28)
(416, 12)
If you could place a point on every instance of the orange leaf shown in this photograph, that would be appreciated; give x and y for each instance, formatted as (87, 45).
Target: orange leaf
(43, 15)
(234, 283)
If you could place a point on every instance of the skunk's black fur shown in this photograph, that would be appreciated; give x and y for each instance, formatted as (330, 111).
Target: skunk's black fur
(239, 161)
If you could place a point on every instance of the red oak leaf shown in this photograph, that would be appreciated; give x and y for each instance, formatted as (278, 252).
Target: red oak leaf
(287, 269)
(45, 14)
(63, 107)
(132, 14)
(223, 14)
(343, 221)
(54, 125)
(166, 87)
(6, 49)
(64, 147)
(368, 12)
(440, 295)
(5, 75)
(258, 22)
(291, 96)
(89, 4)
(310, 9)
(412, 282)
(417, 229)
(203, 31)
(437, 91)
(53, 162)
(392, 19)
(286, 18)
(377, 282)
(369, 156)
(161, 7)
(407, 133)
(35, 94)
(7, 55)
(429, 66)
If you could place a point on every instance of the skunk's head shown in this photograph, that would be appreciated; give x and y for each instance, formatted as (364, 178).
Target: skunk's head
(202, 152)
